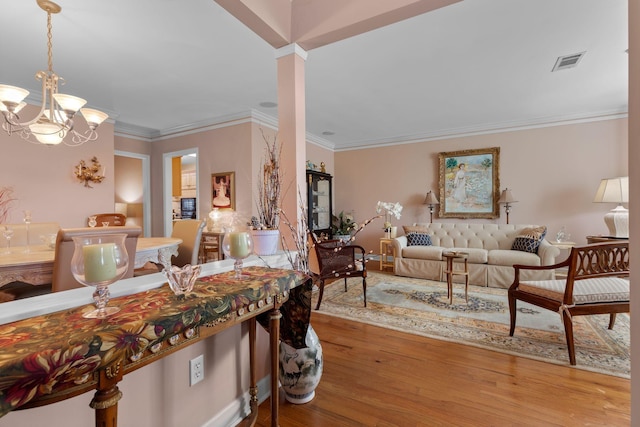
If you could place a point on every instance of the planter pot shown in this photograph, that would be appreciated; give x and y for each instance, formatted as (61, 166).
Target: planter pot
(345, 238)
(301, 369)
(265, 242)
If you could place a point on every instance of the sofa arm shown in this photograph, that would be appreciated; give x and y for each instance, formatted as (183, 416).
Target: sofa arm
(398, 244)
(547, 253)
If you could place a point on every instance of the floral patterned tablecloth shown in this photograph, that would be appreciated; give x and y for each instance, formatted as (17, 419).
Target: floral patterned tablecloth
(44, 352)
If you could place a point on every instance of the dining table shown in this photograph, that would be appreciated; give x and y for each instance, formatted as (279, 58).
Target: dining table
(34, 264)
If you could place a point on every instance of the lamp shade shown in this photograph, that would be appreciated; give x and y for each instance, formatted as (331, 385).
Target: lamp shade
(431, 199)
(613, 190)
(507, 197)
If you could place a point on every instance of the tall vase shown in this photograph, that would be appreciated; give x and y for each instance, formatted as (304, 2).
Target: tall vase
(301, 369)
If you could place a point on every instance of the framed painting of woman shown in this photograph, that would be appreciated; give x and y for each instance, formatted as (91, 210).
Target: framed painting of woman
(223, 190)
(470, 183)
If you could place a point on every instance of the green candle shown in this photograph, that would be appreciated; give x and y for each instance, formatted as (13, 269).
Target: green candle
(99, 262)
(238, 245)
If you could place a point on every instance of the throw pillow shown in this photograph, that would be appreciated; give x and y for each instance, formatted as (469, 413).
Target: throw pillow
(528, 239)
(418, 239)
(415, 229)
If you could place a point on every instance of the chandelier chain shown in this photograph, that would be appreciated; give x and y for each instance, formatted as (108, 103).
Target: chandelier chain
(49, 42)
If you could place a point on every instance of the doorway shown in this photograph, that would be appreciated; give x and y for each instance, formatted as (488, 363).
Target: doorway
(132, 188)
(177, 184)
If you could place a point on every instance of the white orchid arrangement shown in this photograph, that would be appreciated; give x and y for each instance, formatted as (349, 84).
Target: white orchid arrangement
(389, 209)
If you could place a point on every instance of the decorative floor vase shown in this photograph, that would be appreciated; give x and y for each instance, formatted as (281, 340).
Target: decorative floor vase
(265, 242)
(301, 369)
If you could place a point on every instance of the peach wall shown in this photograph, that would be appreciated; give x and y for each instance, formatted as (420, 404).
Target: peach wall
(553, 172)
(43, 180)
(225, 149)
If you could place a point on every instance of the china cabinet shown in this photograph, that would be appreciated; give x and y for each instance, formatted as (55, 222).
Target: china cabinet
(319, 199)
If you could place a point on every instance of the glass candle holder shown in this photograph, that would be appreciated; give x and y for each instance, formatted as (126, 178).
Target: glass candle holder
(237, 244)
(99, 261)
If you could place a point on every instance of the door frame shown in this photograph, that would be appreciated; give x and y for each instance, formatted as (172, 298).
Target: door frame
(167, 177)
(146, 187)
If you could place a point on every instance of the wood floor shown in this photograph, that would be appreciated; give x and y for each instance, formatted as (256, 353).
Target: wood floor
(379, 377)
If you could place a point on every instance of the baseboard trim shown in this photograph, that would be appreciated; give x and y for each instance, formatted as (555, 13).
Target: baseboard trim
(237, 410)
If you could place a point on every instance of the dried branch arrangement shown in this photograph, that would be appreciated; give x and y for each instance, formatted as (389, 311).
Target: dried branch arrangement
(270, 185)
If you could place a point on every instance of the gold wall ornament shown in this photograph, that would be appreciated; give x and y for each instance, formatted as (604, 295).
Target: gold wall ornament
(88, 174)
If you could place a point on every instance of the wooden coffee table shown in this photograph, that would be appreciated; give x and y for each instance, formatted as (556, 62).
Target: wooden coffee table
(450, 271)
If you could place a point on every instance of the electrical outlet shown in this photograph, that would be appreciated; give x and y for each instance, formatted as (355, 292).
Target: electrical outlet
(196, 370)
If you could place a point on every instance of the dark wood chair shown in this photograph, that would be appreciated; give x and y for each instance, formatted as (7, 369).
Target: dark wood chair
(595, 284)
(114, 219)
(332, 259)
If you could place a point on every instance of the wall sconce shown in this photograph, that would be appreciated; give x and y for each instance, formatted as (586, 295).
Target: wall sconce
(506, 198)
(89, 174)
(432, 201)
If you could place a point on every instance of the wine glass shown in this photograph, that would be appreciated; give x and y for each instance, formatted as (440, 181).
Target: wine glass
(27, 221)
(100, 261)
(8, 234)
(92, 221)
(237, 244)
(105, 223)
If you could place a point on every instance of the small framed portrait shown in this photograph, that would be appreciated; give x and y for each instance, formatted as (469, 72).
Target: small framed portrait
(223, 190)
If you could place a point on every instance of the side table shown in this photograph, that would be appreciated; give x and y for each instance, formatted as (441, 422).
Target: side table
(450, 271)
(386, 254)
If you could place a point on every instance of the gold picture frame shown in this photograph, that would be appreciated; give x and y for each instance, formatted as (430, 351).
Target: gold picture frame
(223, 190)
(470, 183)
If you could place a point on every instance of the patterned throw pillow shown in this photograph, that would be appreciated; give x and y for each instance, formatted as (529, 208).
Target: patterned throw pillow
(528, 239)
(418, 239)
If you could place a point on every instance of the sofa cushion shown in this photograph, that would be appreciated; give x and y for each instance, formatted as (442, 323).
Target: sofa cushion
(423, 252)
(474, 255)
(418, 239)
(528, 239)
(511, 257)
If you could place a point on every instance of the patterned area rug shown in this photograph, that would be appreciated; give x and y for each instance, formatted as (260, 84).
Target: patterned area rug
(421, 307)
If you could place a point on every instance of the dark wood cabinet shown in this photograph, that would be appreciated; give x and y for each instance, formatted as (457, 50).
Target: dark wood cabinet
(320, 202)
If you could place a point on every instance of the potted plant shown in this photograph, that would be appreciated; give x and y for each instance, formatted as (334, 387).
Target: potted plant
(342, 225)
(265, 231)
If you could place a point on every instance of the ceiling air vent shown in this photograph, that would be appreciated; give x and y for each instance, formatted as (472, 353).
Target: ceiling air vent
(568, 61)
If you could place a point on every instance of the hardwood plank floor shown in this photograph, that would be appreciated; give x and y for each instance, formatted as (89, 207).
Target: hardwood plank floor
(379, 377)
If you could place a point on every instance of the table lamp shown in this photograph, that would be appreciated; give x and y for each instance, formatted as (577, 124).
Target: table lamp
(432, 201)
(506, 199)
(615, 190)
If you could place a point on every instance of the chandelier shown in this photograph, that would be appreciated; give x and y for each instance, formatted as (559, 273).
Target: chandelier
(54, 122)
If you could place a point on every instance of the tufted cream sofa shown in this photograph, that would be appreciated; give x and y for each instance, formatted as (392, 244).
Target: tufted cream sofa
(489, 251)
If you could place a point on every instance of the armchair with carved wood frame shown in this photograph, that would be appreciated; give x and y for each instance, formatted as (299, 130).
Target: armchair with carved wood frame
(595, 284)
(332, 259)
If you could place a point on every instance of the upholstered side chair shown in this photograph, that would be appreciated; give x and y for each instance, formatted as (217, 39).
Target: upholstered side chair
(190, 231)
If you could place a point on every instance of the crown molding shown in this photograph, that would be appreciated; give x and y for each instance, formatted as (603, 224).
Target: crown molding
(262, 119)
(290, 49)
(485, 129)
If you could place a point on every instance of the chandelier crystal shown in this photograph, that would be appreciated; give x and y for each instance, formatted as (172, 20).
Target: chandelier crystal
(54, 123)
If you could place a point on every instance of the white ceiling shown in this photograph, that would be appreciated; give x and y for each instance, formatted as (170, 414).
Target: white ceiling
(475, 66)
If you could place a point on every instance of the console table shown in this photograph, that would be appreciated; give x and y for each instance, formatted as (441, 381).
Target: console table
(60, 355)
